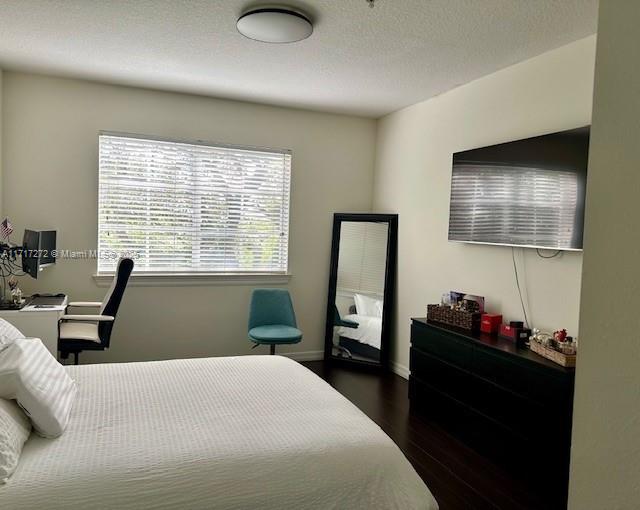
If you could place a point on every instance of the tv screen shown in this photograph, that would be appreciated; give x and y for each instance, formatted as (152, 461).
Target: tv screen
(525, 193)
(37, 250)
(30, 253)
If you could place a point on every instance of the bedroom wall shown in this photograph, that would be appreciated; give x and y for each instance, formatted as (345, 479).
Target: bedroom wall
(605, 453)
(51, 150)
(412, 177)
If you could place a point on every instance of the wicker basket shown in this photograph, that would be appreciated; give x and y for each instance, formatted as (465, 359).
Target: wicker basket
(458, 318)
(566, 360)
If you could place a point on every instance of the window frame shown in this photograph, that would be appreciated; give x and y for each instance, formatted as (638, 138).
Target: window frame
(103, 278)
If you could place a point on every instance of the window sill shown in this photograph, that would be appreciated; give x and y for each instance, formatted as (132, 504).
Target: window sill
(196, 279)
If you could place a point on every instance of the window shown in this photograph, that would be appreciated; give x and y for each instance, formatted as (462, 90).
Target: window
(192, 208)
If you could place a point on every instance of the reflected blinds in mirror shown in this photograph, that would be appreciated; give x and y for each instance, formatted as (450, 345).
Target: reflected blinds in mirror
(363, 257)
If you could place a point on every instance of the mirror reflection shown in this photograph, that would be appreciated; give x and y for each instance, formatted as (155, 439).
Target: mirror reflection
(359, 302)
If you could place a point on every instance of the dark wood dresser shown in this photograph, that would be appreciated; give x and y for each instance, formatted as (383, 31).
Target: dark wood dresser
(507, 402)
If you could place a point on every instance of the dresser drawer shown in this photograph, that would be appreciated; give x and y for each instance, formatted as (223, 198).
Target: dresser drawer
(441, 375)
(539, 384)
(483, 434)
(526, 417)
(441, 345)
(445, 410)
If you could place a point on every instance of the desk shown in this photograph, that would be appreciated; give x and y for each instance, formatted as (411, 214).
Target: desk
(39, 323)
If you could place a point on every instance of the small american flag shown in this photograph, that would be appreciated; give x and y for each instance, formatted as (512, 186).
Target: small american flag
(6, 228)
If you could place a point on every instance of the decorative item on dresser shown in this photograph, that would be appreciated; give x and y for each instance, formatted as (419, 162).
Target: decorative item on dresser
(559, 347)
(566, 360)
(459, 318)
(505, 401)
(458, 309)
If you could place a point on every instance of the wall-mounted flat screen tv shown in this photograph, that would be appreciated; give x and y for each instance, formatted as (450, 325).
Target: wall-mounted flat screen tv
(526, 193)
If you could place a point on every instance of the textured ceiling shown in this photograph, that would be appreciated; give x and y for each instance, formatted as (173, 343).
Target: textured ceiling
(358, 60)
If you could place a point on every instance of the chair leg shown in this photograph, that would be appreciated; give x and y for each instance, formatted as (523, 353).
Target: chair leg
(75, 358)
(273, 349)
(342, 352)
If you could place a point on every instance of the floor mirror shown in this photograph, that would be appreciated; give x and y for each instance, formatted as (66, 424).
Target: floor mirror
(361, 289)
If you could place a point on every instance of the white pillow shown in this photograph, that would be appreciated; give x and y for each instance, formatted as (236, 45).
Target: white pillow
(8, 333)
(14, 431)
(368, 306)
(379, 308)
(42, 387)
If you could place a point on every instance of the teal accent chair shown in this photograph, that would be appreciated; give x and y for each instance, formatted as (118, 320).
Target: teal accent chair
(272, 320)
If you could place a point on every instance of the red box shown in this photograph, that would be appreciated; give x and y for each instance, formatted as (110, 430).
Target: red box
(490, 323)
(516, 335)
(507, 331)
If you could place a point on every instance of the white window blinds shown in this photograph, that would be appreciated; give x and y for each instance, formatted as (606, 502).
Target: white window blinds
(188, 207)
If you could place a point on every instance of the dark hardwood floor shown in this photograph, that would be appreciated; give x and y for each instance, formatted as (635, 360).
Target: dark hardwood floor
(458, 477)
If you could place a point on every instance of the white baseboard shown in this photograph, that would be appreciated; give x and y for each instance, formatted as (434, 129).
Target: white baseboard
(400, 370)
(304, 355)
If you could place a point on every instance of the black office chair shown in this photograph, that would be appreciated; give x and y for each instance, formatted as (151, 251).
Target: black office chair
(343, 352)
(77, 333)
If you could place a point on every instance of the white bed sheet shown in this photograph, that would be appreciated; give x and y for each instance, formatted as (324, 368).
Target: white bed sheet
(248, 432)
(369, 330)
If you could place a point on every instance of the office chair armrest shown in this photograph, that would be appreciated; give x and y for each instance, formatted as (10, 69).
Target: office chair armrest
(86, 318)
(85, 304)
(348, 324)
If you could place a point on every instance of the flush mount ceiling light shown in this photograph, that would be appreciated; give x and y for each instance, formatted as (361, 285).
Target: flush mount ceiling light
(274, 25)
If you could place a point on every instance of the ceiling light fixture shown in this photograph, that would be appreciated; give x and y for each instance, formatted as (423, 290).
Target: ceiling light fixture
(275, 25)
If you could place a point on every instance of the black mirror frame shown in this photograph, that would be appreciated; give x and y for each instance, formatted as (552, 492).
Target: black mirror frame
(389, 288)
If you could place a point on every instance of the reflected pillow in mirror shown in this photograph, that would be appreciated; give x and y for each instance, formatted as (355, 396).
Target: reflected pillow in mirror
(368, 306)
(379, 308)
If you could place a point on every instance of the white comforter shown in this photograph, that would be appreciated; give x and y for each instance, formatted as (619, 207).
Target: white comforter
(249, 432)
(369, 330)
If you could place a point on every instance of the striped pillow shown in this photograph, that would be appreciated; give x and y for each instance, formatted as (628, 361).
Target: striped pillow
(42, 387)
(14, 431)
(8, 334)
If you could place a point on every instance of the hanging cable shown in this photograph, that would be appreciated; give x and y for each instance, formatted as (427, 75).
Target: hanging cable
(515, 271)
(3, 276)
(8, 268)
(15, 266)
(542, 256)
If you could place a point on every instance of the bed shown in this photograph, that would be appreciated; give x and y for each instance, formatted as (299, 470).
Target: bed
(364, 340)
(368, 332)
(227, 433)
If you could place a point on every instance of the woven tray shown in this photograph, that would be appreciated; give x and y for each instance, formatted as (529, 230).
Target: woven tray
(458, 318)
(566, 360)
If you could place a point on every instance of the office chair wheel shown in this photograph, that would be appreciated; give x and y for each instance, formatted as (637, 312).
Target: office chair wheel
(343, 352)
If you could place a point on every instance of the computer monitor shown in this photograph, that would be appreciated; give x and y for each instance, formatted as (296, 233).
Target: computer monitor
(37, 250)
